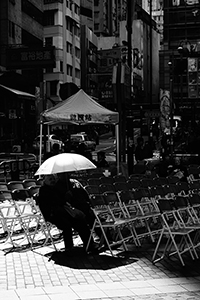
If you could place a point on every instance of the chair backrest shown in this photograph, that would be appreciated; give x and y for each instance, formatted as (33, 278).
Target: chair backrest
(20, 194)
(159, 181)
(183, 187)
(126, 196)
(12, 185)
(194, 199)
(147, 182)
(106, 187)
(119, 178)
(133, 184)
(5, 196)
(121, 186)
(83, 181)
(3, 186)
(173, 179)
(180, 202)
(97, 200)
(28, 182)
(105, 179)
(39, 181)
(94, 181)
(92, 189)
(33, 190)
(164, 205)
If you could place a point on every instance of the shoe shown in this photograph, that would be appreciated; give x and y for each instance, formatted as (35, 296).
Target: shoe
(93, 248)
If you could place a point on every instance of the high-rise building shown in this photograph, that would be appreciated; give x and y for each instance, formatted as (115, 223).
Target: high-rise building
(21, 30)
(62, 30)
(181, 40)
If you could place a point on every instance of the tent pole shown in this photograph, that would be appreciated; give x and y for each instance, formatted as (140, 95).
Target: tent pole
(40, 150)
(117, 146)
(48, 142)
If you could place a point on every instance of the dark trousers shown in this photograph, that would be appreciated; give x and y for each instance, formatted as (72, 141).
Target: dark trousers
(64, 221)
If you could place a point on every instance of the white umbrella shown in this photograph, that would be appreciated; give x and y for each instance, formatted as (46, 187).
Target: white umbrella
(65, 162)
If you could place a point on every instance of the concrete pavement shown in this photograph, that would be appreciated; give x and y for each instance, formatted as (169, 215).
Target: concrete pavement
(45, 274)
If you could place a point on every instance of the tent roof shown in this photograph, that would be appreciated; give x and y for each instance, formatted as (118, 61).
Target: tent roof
(18, 93)
(80, 108)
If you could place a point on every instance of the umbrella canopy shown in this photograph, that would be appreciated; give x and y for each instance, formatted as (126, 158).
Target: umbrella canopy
(65, 162)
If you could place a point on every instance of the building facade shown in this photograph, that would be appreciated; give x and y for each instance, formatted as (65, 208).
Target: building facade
(181, 40)
(21, 28)
(62, 30)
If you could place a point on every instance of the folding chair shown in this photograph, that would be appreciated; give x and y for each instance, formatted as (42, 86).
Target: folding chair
(179, 240)
(105, 187)
(38, 231)
(39, 181)
(136, 176)
(119, 213)
(147, 182)
(3, 186)
(150, 216)
(133, 184)
(106, 222)
(94, 181)
(83, 182)
(160, 181)
(92, 189)
(194, 186)
(119, 178)
(28, 182)
(106, 180)
(12, 185)
(184, 188)
(15, 226)
(33, 191)
(173, 179)
(121, 186)
(95, 175)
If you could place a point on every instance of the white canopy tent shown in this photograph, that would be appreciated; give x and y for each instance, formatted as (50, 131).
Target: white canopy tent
(80, 109)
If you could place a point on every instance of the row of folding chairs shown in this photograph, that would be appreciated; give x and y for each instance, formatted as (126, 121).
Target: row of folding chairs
(22, 223)
(102, 179)
(139, 192)
(20, 184)
(180, 228)
(124, 220)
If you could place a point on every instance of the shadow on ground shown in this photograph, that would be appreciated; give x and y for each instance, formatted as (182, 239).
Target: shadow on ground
(78, 259)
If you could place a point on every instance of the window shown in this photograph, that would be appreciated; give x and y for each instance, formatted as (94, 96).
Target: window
(77, 73)
(49, 18)
(69, 47)
(86, 12)
(77, 31)
(76, 9)
(53, 87)
(32, 11)
(96, 26)
(48, 41)
(96, 2)
(69, 24)
(77, 52)
(61, 66)
(69, 70)
(11, 29)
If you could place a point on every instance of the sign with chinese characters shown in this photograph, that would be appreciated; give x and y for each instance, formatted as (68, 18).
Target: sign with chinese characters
(194, 77)
(25, 58)
(80, 117)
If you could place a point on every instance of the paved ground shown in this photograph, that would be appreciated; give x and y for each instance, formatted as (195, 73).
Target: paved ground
(44, 274)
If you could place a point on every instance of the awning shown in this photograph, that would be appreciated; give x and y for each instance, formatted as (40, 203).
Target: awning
(21, 94)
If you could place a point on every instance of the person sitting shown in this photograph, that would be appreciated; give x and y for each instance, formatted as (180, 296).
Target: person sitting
(59, 209)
